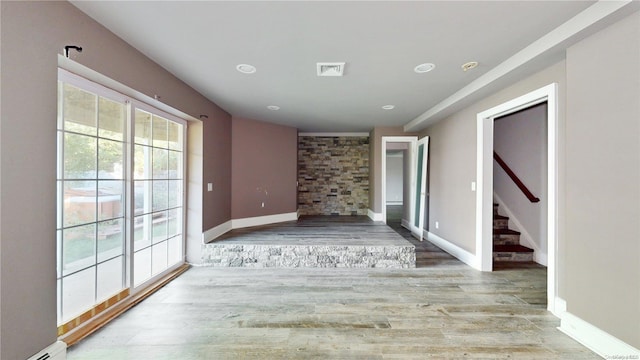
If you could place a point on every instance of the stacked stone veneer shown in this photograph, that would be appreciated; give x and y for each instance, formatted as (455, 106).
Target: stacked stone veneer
(309, 256)
(333, 175)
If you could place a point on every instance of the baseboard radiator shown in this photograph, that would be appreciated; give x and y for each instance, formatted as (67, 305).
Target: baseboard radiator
(57, 351)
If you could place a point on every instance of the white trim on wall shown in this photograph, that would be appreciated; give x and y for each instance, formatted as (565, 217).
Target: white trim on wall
(484, 188)
(596, 339)
(216, 232)
(374, 216)
(453, 249)
(232, 224)
(263, 220)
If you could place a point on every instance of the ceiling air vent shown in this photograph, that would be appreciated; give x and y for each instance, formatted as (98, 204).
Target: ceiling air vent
(330, 69)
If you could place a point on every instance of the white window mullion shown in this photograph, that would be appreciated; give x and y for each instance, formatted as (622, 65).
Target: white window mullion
(129, 196)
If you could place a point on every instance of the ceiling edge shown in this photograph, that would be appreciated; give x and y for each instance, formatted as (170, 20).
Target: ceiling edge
(572, 27)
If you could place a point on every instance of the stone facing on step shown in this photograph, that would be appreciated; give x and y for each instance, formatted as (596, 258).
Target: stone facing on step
(309, 256)
(333, 175)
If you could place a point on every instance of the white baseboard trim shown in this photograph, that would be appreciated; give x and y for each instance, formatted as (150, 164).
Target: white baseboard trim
(55, 351)
(525, 238)
(560, 307)
(217, 231)
(458, 252)
(374, 216)
(596, 339)
(405, 224)
(263, 220)
(227, 226)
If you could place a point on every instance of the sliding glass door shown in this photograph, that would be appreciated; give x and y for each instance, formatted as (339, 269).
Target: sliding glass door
(120, 196)
(158, 182)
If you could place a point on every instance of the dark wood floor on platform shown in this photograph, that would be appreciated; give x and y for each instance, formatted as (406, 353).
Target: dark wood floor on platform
(318, 230)
(442, 310)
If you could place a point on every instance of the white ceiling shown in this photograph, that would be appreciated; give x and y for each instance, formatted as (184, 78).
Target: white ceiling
(202, 42)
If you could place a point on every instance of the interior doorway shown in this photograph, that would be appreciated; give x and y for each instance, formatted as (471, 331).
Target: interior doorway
(398, 184)
(520, 187)
(484, 185)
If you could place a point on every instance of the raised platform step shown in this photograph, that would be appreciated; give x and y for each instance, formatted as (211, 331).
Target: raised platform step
(314, 256)
(515, 253)
(321, 241)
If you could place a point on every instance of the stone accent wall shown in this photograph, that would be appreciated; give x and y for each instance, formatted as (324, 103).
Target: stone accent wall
(333, 175)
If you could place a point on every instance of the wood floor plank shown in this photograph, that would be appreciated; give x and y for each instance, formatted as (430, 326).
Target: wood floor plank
(441, 310)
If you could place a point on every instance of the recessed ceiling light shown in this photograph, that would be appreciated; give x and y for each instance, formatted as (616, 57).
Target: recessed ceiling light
(470, 65)
(273, 107)
(389, 107)
(424, 68)
(246, 68)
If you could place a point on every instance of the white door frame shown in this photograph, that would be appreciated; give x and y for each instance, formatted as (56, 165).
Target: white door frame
(484, 192)
(418, 231)
(412, 140)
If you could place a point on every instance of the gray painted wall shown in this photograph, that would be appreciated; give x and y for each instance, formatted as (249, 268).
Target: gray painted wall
(598, 176)
(394, 183)
(452, 159)
(264, 168)
(603, 180)
(521, 141)
(33, 34)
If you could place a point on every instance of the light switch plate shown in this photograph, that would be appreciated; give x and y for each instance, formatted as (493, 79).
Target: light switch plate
(209, 186)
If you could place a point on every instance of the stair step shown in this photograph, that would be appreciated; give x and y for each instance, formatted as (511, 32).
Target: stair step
(512, 248)
(505, 232)
(500, 222)
(512, 253)
(505, 237)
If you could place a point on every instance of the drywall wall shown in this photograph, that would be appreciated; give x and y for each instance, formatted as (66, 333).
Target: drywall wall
(333, 175)
(375, 163)
(603, 180)
(520, 139)
(216, 169)
(264, 168)
(452, 159)
(33, 34)
(394, 183)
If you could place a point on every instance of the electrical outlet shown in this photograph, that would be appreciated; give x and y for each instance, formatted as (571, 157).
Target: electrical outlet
(209, 186)
(263, 204)
(437, 225)
(473, 186)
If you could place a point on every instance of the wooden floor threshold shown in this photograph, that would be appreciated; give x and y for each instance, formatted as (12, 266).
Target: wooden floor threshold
(104, 318)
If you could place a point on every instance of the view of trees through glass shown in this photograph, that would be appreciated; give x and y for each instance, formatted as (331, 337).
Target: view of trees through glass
(93, 186)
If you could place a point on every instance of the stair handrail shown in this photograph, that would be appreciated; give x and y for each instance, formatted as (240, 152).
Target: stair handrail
(515, 179)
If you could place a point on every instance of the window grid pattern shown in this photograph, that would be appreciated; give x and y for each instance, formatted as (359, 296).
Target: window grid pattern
(120, 185)
(91, 207)
(158, 180)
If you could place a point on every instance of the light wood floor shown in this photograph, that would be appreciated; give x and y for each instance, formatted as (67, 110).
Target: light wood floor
(441, 310)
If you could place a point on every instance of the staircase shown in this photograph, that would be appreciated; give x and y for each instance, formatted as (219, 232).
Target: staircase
(506, 242)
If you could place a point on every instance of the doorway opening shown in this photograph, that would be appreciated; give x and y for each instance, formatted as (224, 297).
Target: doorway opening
(398, 184)
(520, 188)
(485, 182)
